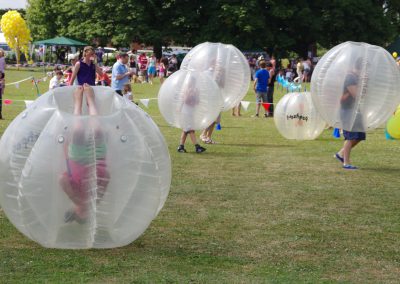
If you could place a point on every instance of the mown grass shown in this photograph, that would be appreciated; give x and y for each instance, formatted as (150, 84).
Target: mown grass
(253, 208)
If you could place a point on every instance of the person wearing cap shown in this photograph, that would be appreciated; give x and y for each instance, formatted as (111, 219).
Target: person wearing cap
(120, 73)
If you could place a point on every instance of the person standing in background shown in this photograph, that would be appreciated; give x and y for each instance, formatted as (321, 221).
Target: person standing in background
(2, 84)
(270, 89)
(261, 81)
(2, 61)
(120, 73)
(143, 63)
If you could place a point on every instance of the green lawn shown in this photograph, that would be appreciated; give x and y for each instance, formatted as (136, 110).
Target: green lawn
(253, 208)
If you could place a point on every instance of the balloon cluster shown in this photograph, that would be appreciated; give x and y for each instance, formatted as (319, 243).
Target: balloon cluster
(16, 32)
(289, 86)
(214, 77)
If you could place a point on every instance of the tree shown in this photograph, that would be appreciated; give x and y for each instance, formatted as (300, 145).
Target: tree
(16, 32)
(41, 16)
(281, 26)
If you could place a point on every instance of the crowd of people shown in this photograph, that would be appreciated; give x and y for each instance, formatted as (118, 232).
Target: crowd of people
(128, 69)
(294, 70)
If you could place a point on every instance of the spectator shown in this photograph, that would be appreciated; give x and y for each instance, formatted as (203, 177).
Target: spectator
(2, 61)
(289, 74)
(56, 81)
(70, 69)
(161, 70)
(273, 62)
(261, 81)
(307, 70)
(299, 71)
(99, 55)
(151, 71)
(120, 73)
(270, 89)
(104, 80)
(127, 92)
(252, 64)
(143, 64)
(2, 86)
(172, 64)
(133, 67)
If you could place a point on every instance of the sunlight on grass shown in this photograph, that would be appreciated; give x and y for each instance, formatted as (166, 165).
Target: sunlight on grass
(253, 208)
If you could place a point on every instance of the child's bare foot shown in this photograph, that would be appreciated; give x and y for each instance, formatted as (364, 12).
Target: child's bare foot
(72, 215)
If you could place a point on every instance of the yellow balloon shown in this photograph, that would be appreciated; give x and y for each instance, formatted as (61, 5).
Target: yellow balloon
(393, 126)
(394, 54)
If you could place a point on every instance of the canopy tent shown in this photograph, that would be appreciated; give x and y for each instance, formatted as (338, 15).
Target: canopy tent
(395, 46)
(60, 40)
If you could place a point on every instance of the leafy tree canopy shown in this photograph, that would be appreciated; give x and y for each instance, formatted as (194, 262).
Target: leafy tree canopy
(279, 25)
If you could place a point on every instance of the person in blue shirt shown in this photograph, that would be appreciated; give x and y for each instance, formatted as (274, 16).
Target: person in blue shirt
(261, 81)
(120, 73)
(351, 116)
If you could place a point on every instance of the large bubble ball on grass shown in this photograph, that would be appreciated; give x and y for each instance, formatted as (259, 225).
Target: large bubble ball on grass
(226, 65)
(189, 100)
(296, 117)
(71, 181)
(356, 86)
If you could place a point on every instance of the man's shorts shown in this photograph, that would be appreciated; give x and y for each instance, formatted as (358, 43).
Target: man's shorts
(348, 135)
(261, 97)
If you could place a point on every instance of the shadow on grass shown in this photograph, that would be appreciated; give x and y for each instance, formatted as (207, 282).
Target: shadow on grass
(382, 170)
(223, 127)
(258, 145)
(327, 139)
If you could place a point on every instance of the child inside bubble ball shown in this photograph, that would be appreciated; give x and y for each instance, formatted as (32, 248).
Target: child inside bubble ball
(86, 158)
(347, 112)
(189, 97)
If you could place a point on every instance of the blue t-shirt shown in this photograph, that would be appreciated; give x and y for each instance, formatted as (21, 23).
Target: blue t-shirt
(262, 77)
(119, 69)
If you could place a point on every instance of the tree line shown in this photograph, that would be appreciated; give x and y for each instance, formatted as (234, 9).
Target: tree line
(280, 26)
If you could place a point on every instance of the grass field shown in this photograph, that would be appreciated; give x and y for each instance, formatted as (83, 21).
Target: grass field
(253, 208)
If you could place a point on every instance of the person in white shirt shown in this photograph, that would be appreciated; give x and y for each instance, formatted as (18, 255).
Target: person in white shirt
(56, 80)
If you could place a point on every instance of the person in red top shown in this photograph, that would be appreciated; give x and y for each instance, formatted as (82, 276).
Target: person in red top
(143, 63)
(104, 79)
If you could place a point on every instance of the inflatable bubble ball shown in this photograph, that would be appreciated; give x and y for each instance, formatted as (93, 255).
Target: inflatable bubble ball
(189, 100)
(83, 174)
(296, 117)
(226, 65)
(393, 125)
(355, 86)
